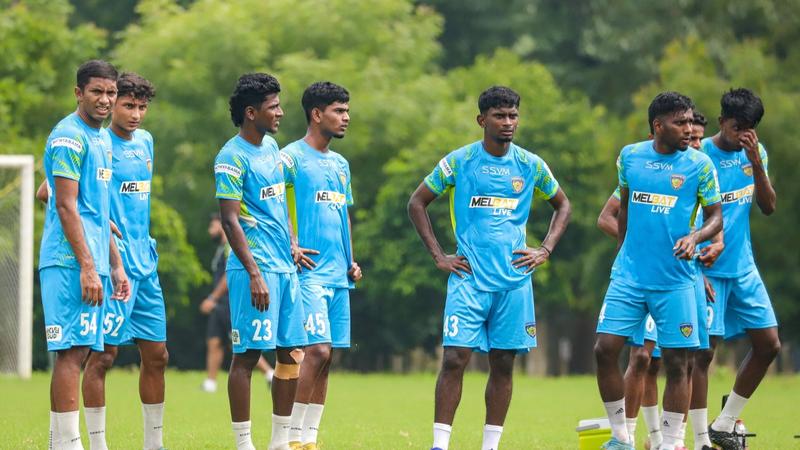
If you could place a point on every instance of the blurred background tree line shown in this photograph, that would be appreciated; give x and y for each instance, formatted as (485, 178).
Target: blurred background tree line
(586, 71)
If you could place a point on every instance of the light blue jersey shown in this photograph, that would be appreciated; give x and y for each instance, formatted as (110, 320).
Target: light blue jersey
(318, 191)
(79, 152)
(130, 201)
(664, 191)
(254, 176)
(490, 200)
(736, 186)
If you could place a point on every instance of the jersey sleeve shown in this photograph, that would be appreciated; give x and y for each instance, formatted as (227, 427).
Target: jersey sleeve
(708, 189)
(545, 185)
(621, 175)
(229, 172)
(67, 149)
(289, 167)
(762, 151)
(443, 175)
(348, 186)
(616, 194)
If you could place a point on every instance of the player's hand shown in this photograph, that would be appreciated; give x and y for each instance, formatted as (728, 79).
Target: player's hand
(709, 254)
(91, 287)
(259, 293)
(711, 294)
(114, 229)
(207, 305)
(453, 263)
(749, 141)
(355, 272)
(301, 258)
(531, 258)
(122, 286)
(684, 248)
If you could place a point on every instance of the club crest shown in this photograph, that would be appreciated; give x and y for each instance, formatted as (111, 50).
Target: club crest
(343, 178)
(748, 169)
(530, 328)
(677, 181)
(686, 329)
(517, 184)
(150, 165)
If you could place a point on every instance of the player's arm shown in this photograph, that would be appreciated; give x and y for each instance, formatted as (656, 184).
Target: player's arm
(765, 193)
(41, 194)
(67, 208)
(210, 302)
(712, 225)
(355, 270)
(418, 213)
(300, 254)
(710, 253)
(533, 257)
(119, 279)
(622, 216)
(607, 220)
(229, 215)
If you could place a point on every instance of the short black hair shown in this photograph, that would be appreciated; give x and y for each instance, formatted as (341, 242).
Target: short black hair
(252, 89)
(95, 68)
(667, 103)
(321, 94)
(699, 119)
(498, 97)
(133, 84)
(743, 105)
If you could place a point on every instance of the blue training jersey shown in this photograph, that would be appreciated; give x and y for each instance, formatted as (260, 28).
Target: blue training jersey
(663, 194)
(490, 201)
(132, 163)
(318, 192)
(253, 175)
(79, 152)
(736, 186)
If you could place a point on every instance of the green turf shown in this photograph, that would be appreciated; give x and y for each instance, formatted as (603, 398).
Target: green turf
(374, 412)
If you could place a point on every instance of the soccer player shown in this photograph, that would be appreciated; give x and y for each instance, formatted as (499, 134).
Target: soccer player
(266, 309)
(76, 246)
(318, 185)
(742, 305)
(653, 272)
(141, 320)
(216, 306)
(489, 307)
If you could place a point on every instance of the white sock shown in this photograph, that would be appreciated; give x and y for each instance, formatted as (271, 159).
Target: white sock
(296, 426)
(242, 436)
(53, 430)
(68, 427)
(630, 424)
(616, 416)
(153, 425)
(269, 374)
(96, 427)
(209, 385)
(280, 431)
(681, 435)
(727, 417)
(653, 423)
(491, 437)
(671, 428)
(311, 423)
(441, 435)
(699, 418)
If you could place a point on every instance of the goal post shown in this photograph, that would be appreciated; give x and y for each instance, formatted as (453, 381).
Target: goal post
(16, 263)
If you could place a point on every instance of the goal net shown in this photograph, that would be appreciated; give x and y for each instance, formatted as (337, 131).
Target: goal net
(16, 264)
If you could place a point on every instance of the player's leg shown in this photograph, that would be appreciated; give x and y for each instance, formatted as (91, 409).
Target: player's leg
(239, 375)
(218, 333)
(642, 344)
(264, 367)
(650, 412)
(622, 312)
(498, 395)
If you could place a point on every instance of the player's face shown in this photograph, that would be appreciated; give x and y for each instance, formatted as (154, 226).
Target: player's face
(267, 117)
(675, 130)
(96, 99)
(499, 124)
(730, 132)
(697, 135)
(334, 119)
(128, 113)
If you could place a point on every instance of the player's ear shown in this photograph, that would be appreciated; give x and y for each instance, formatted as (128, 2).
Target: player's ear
(78, 93)
(481, 120)
(249, 112)
(316, 115)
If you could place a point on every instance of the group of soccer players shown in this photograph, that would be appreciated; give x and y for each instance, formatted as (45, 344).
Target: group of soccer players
(285, 215)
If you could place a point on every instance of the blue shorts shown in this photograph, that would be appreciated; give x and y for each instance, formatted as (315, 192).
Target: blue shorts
(483, 320)
(674, 312)
(142, 317)
(702, 312)
(646, 332)
(327, 315)
(281, 325)
(744, 303)
(68, 321)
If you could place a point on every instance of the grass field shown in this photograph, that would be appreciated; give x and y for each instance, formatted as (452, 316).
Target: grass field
(382, 411)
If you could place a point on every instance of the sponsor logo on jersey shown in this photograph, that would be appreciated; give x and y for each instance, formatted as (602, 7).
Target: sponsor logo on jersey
(677, 181)
(138, 153)
(287, 159)
(658, 165)
(71, 144)
(659, 203)
(53, 333)
(740, 196)
(446, 170)
(686, 329)
(517, 183)
(748, 169)
(134, 187)
(492, 170)
(275, 191)
(500, 206)
(530, 328)
(235, 339)
(228, 169)
(728, 163)
(103, 174)
(332, 197)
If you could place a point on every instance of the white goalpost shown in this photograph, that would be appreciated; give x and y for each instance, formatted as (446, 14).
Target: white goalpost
(16, 263)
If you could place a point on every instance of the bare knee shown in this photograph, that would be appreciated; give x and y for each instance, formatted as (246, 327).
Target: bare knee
(639, 360)
(102, 361)
(606, 350)
(768, 349)
(703, 359)
(319, 353)
(155, 357)
(675, 364)
(454, 360)
(501, 363)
